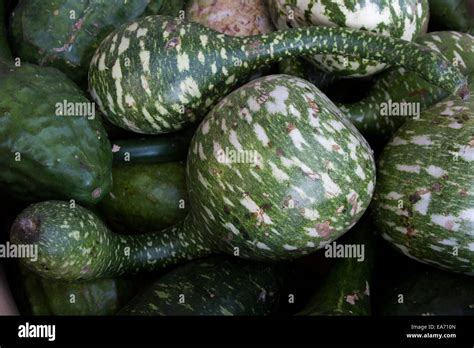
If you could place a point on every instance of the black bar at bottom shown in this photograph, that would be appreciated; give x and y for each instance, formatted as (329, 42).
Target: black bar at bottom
(225, 330)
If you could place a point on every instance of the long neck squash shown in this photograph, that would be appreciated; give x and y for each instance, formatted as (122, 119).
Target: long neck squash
(157, 74)
(404, 19)
(214, 286)
(274, 171)
(399, 85)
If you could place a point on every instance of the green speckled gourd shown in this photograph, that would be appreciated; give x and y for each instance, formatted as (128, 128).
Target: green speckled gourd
(44, 155)
(274, 171)
(429, 292)
(146, 197)
(213, 286)
(404, 19)
(158, 74)
(96, 297)
(398, 85)
(65, 33)
(452, 15)
(423, 203)
(5, 53)
(346, 289)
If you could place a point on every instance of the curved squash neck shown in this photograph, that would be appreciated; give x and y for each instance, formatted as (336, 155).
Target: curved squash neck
(273, 47)
(173, 245)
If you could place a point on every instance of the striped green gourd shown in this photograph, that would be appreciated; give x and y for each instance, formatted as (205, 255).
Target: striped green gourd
(455, 15)
(145, 197)
(346, 289)
(404, 19)
(213, 286)
(55, 297)
(158, 74)
(398, 86)
(65, 33)
(45, 154)
(423, 203)
(5, 53)
(274, 171)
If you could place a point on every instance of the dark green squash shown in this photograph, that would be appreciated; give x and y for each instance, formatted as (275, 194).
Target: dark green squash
(146, 197)
(65, 33)
(346, 289)
(97, 297)
(44, 155)
(215, 286)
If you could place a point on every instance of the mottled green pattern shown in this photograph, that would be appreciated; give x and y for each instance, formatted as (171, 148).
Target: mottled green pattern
(346, 289)
(65, 33)
(404, 19)
(210, 287)
(146, 197)
(399, 85)
(424, 201)
(5, 53)
(66, 157)
(309, 178)
(55, 297)
(158, 74)
(429, 292)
